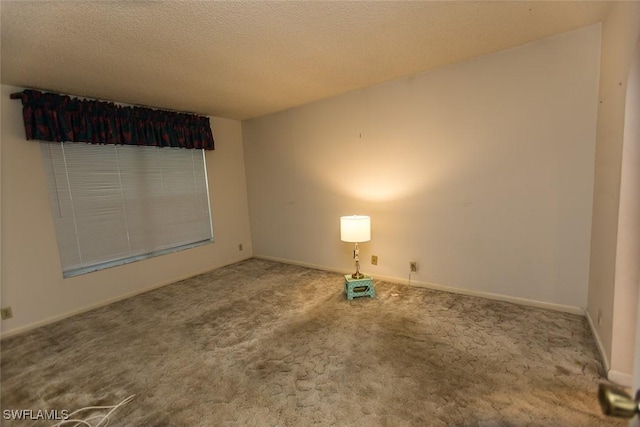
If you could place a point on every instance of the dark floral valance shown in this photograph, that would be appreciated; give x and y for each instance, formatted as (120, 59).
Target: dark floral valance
(53, 117)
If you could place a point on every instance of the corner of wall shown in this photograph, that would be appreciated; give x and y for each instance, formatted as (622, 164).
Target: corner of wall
(603, 354)
(619, 34)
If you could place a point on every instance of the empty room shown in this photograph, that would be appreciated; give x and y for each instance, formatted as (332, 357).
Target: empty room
(332, 213)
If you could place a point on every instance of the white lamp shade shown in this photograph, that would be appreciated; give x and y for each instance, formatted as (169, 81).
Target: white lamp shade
(355, 228)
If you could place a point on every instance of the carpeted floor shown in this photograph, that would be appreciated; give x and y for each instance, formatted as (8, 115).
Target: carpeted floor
(260, 343)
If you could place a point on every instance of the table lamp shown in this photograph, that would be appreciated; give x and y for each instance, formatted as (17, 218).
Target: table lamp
(355, 229)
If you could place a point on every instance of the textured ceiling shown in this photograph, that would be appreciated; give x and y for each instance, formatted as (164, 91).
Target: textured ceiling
(246, 59)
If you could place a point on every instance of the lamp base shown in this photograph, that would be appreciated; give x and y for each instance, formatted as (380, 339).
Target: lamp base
(357, 275)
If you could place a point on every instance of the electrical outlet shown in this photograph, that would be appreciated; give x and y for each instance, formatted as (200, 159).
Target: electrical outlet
(240, 247)
(6, 313)
(374, 259)
(413, 266)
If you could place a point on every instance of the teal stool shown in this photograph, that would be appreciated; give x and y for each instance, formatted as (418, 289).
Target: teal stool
(358, 287)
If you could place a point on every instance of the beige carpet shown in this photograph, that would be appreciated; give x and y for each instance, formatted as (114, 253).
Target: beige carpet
(267, 344)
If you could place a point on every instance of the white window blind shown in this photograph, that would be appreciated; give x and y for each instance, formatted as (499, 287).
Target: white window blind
(114, 204)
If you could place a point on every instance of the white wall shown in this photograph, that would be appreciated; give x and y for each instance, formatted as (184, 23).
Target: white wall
(627, 275)
(482, 172)
(32, 282)
(620, 32)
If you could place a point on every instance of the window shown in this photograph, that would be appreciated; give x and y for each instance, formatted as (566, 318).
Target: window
(114, 204)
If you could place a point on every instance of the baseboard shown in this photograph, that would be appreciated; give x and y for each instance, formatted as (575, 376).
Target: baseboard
(596, 336)
(621, 378)
(481, 294)
(506, 298)
(57, 318)
(488, 295)
(302, 264)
